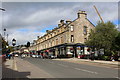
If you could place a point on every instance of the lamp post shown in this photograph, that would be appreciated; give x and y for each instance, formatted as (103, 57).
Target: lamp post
(4, 32)
(4, 28)
(13, 43)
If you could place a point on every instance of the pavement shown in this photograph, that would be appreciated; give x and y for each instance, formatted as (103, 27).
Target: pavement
(41, 68)
(92, 61)
(18, 68)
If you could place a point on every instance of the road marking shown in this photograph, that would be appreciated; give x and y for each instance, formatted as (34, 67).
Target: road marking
(14, 65)
(86, 70)
(43, 59)
(62, 65)
(51, 62)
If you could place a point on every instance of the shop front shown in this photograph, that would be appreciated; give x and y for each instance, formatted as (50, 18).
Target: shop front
(69, 51)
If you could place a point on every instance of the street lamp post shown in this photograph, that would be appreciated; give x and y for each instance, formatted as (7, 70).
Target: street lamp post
(4, 32)
(4, 28)
(13, 43)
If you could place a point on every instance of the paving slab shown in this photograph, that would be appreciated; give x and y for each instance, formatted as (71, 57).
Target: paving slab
(93, 61)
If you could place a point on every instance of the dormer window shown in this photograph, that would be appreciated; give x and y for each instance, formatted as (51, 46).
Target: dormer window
(55, 33)
(51, 34)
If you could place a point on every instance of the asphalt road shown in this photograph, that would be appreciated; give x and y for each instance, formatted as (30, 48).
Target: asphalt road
(62, 69)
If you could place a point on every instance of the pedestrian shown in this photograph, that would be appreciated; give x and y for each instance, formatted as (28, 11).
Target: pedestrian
(9, 56)
(92, 56)
(112, 58)
(12, 56)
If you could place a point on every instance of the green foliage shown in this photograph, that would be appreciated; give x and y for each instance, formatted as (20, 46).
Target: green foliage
(103, 36)
(117, 42)
(106, 58)
(4, 44)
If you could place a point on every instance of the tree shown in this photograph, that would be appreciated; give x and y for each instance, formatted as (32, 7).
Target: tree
(103, 37)
(4, 46)
(116, 44)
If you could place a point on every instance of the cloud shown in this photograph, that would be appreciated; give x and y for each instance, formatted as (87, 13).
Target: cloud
(23, 37)
(39, 16)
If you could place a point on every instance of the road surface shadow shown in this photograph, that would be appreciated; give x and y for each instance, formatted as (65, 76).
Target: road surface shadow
(8, 73)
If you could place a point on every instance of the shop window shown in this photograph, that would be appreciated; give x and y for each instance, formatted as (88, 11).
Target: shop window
(85, 30)
(72, 38)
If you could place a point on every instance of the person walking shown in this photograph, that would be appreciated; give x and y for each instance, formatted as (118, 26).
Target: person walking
(92, 56)
(9, 56)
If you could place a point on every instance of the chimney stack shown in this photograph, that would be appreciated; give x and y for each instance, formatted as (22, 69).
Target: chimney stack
(68, 21)
(47, 31)
(38, 37)
(62, 21)
(82, 14)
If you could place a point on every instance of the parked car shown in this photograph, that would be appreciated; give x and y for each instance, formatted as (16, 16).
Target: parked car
(51, 56)
(36, 56)
(33, 56)
(23, 55)
(16, 55)
(40, 56)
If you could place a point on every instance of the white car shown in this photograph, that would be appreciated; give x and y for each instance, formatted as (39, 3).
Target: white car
(16, 55)
(33, 56)
(23, 55)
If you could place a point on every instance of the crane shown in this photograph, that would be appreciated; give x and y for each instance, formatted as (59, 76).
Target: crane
(98, 13)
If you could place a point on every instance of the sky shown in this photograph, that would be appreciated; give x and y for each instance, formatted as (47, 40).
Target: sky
(24, 21)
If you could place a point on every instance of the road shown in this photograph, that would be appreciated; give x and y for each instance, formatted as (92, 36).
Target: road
(63, 69)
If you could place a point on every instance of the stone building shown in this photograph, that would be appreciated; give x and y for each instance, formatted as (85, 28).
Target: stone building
(67, 39)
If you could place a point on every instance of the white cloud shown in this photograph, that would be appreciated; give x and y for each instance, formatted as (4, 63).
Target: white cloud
(38, 16)
(23, 37)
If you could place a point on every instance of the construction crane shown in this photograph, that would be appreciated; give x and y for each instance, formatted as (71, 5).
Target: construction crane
(98, 13)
